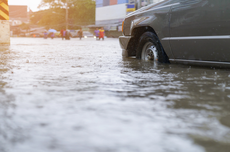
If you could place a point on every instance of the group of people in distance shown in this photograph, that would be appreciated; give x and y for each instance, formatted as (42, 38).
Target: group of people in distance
(100, 33)
(46, 34)
(65, 34)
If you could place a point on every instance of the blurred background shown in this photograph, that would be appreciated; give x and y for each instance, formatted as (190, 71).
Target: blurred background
(31, 19)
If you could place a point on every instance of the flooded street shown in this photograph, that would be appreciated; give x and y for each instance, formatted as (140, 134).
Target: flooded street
(82, 96)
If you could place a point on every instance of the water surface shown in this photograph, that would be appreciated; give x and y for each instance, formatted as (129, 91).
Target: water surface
(70, 96)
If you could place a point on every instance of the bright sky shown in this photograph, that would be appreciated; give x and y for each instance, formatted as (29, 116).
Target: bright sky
(32, 4)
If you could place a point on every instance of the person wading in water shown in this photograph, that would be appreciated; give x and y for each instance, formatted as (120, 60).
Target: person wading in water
(101, 33)
(80, 33)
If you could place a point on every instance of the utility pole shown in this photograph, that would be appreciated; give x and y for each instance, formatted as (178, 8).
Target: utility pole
(139, 4)
(67, 2)
(148, 2)
(135, 3)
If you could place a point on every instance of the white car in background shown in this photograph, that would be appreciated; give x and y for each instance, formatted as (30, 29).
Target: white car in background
(87, 34)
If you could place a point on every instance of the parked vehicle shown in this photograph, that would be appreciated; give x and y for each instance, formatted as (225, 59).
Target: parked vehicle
(73, 33)
(87, 34)
(58, 34)
(36, 34)
(179, 31)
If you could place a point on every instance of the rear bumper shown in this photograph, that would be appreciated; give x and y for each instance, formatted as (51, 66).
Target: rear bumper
(124, 41)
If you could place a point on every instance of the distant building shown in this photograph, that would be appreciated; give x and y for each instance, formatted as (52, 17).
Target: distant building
(19, 14)
(111, 13)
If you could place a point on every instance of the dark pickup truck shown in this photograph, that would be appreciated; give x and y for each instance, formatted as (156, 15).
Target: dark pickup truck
(179, 31)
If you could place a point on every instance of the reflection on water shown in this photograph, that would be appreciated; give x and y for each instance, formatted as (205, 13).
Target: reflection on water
(85, 97)
(200, 96)
(9, 131)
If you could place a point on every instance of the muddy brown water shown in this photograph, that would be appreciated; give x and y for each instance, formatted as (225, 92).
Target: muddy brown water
(68, 96)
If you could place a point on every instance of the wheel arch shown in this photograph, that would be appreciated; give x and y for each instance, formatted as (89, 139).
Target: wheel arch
(136, 33)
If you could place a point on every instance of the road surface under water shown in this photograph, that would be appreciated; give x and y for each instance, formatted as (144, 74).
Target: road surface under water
(82, 96)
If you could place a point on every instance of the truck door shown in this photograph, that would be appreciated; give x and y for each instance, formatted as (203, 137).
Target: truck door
(200, 30)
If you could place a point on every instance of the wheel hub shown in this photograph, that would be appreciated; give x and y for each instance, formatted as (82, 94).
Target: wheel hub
(149, 52)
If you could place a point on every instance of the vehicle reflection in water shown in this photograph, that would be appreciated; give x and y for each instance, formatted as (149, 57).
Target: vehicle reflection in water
(199, 97)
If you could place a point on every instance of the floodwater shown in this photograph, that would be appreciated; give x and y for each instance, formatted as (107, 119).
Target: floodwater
(82, 96)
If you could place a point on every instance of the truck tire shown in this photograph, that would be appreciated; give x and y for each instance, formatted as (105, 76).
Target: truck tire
(150, 48)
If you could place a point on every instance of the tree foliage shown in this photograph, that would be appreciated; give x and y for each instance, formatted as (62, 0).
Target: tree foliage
(83, 11)
(50, 18)
(80, 13)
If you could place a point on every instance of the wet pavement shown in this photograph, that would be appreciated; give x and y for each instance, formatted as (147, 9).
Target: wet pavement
(82, 96)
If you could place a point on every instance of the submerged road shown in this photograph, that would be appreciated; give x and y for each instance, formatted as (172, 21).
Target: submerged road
(82, 96)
